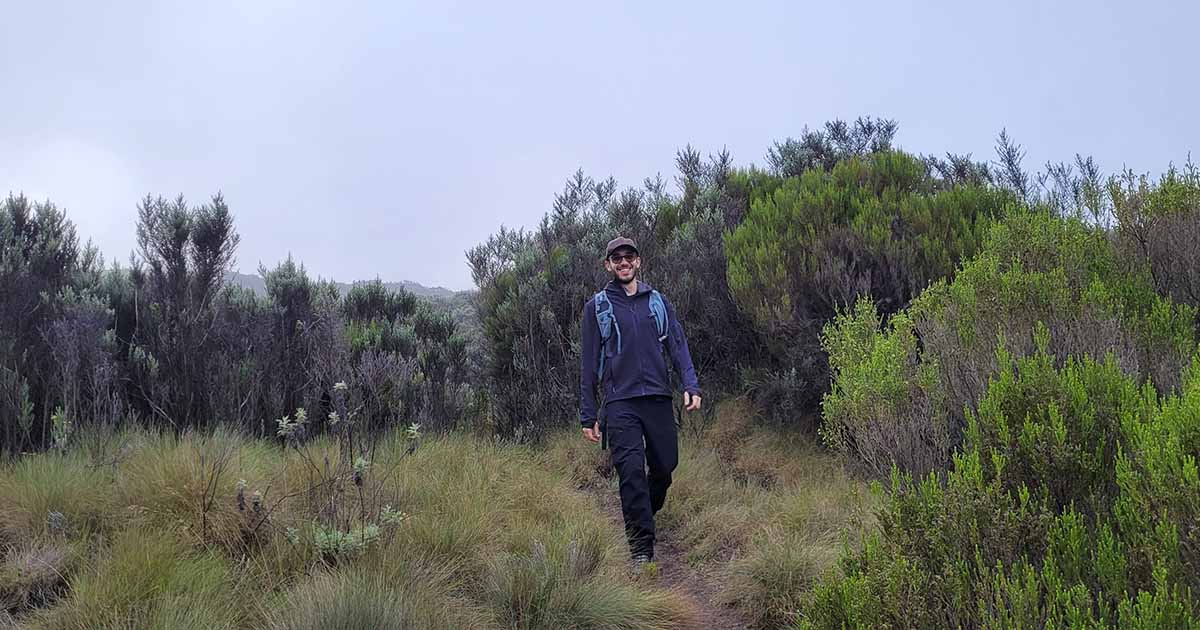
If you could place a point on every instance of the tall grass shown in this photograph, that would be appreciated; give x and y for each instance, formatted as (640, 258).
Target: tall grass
(217, 531)
(411, 597)
(761, 510)
(767, 509)
(55, 495)
(150, 580)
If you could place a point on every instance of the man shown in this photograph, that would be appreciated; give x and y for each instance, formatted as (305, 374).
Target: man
(623, 344)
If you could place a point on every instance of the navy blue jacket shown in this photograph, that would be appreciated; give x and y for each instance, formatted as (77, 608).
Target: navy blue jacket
(640, 369)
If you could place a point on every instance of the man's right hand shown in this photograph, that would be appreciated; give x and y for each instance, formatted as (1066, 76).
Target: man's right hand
(592, 434)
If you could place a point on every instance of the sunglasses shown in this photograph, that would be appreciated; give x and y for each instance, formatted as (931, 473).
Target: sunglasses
(617, 258)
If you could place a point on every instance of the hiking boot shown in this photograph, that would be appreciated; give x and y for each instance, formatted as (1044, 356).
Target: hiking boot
(643, 565)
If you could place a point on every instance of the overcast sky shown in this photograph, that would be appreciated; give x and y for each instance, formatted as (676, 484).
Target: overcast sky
(385, 138)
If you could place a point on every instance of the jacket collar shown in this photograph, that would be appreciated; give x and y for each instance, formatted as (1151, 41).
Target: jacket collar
(615, 288)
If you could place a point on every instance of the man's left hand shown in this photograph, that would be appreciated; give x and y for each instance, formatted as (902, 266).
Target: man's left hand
(691, 402)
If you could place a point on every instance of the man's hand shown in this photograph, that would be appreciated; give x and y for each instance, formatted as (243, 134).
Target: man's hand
(592, 434)
(691, 402)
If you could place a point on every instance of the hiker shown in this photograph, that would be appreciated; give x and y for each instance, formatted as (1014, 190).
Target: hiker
(625, 329)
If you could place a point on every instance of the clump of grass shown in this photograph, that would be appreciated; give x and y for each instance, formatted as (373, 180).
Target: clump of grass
(55, 495)
(190, 485)
(469, 500)
(411, 598)
(150, 580)
(772, 580)
(34, 575)
(562, 588)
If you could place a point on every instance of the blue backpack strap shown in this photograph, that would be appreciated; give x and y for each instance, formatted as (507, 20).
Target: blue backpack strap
(660, 314)
(607, 323)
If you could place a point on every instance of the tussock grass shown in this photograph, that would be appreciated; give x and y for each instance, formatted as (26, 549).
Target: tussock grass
(55, 495)
(188, 485)
(491, 537)
(772, 580)
(151, 580)
(769, 507)
(557, 587)
(412, 597)
(34, 574)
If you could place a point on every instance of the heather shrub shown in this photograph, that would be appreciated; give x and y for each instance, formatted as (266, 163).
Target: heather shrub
(1071, 504)
(901, 390)
(875, 226)
(1158, 226)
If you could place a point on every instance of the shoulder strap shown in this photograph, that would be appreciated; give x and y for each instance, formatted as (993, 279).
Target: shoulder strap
(607, 323)
(660, 313)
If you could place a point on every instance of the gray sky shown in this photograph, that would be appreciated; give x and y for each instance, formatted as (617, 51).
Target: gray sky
(384, 139)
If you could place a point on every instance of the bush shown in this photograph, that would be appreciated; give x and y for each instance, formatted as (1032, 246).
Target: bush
(900, 392)
(873, 226)
(1034, 525)
(1158, 225)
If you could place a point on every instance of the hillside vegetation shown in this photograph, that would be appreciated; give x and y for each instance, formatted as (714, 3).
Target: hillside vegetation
(949, 393)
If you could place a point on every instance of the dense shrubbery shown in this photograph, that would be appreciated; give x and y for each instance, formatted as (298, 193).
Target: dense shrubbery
(872, 226)
(165, 342)
(1072, 504)
(900, 390)
(756, 262)
(533, 285)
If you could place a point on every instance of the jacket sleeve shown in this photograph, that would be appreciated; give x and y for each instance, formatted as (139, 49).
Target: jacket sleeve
(589, 359)
(680, 355)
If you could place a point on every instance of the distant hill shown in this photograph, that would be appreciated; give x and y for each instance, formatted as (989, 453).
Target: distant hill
(255, 282)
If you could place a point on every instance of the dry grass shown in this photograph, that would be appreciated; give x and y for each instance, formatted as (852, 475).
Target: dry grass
(762, 508)
(34, 575)
(489, 537)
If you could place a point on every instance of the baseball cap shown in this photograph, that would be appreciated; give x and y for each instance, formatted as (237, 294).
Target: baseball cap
(620, 241)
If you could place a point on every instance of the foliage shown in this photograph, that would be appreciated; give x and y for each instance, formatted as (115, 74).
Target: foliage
(914, 377)
(871, 226)
(40, 257)
(216, 530)
(1035, 525)
(533, 285)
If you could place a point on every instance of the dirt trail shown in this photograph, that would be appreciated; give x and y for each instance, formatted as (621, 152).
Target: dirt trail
(676, 574)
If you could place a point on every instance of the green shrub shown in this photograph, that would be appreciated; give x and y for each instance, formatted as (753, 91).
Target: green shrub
(901, 392)
(874, 227)
(1072, 504)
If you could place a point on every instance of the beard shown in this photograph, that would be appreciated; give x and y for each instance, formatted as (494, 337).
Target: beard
(616, 276)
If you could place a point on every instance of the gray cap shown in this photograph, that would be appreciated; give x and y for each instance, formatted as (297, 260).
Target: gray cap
(620, 241)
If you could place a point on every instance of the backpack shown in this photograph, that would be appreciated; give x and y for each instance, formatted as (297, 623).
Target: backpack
(608, 323)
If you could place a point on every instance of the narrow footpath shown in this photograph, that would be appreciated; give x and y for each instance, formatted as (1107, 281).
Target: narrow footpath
(676, 574)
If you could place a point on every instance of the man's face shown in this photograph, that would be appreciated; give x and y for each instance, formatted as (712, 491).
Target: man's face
(623, 264)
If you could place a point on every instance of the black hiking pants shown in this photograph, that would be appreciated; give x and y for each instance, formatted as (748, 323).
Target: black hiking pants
(641, 435)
